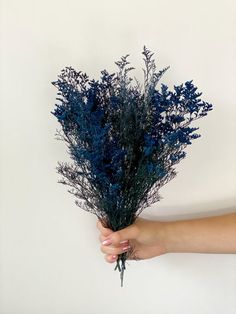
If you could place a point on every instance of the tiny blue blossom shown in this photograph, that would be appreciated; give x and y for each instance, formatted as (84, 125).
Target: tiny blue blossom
(124, 139)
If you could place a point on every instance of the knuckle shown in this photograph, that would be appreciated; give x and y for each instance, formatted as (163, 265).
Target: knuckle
(113, 250)
(104, 233)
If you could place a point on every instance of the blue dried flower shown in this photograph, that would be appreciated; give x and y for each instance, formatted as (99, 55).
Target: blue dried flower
(124, 139)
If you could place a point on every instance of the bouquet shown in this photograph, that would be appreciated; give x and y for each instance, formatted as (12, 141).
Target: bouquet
(124, 139)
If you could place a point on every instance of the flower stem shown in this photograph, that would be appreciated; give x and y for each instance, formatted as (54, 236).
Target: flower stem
(120, 264)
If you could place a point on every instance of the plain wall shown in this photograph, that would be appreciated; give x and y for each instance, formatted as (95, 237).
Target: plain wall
(50, 259)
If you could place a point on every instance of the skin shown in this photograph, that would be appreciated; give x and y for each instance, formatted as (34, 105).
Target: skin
(146, 239)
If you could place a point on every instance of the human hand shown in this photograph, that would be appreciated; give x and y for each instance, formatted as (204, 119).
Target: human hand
(142, 240)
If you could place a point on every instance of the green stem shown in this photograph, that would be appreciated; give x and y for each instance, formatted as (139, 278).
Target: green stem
(120, 264)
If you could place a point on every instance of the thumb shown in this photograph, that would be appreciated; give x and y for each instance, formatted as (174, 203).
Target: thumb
(128, 233)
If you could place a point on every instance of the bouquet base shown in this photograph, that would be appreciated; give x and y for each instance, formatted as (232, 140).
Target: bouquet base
(120, 265)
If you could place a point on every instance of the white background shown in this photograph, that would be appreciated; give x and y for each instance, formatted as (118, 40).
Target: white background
(50, 259)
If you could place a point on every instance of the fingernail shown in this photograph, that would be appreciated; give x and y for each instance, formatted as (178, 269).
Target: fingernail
(125, 241)
(106, 242)
(126, 248)
(113, 257)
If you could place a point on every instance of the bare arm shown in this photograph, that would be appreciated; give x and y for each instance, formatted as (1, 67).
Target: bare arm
(205, 235)
(152, 238)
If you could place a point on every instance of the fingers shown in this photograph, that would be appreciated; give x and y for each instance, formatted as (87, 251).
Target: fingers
(110, 258)
(128, 233)
(115, 243)
(105, 232)
(132, 255)
(111, 250)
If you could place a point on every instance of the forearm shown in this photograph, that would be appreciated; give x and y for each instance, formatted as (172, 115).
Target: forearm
(205, 235)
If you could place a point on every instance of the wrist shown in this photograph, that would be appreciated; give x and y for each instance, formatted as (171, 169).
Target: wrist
(168, 236)
(183, 236)
(162, 236)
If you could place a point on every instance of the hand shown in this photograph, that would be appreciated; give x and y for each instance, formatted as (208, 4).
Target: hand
(142, 240)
